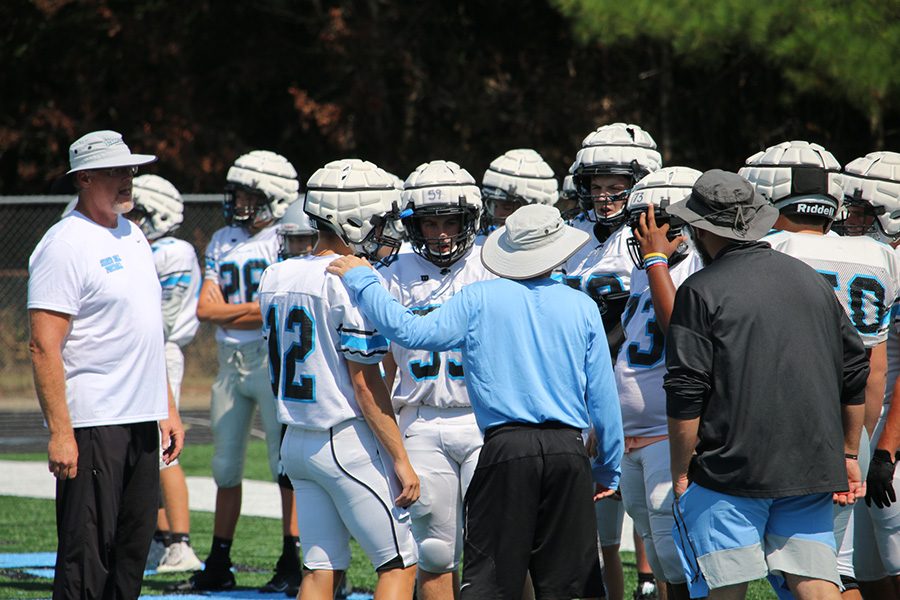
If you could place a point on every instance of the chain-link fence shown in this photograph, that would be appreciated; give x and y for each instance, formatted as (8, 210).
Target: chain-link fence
(23, 221)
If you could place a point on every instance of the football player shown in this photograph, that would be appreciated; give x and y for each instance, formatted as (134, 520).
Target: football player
(441, 436)
(804, 182)
(610, 162)
(516, 178)
(568, 206)
(872, 207)
(662, 259)
(158, 211)
(296, 234)
(260, 187)
(342, 449)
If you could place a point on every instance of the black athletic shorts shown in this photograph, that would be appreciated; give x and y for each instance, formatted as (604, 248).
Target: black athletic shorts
(529, 507)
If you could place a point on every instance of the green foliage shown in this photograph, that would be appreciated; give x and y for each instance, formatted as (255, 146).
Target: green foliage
(844, 49)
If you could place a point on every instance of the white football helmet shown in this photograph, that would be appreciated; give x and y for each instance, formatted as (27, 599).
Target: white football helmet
(520, 176)
(354, 199)
(616, 149)
(798, 178)
(659, 189)
(157, 205)
(393, 228)
(266, 173)
(872, 183)
(435, 189)
(295, 224)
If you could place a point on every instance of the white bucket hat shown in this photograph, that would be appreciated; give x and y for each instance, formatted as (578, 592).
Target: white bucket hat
(103, 150)
(533, 241)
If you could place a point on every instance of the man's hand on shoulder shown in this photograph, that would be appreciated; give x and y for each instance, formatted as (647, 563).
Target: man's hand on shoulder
(341, 265)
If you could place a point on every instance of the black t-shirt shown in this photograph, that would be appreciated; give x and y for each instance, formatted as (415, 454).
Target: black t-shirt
(760, 349)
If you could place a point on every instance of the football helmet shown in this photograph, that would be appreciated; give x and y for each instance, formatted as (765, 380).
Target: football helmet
(568, 205)
(393, 228)
(521, 176)
(262, 173)
(355, 199)
(616, 149)
(658, 190)
(798, 177)
(872, 197)
(440, 188)
(293, 225)
(158, 207)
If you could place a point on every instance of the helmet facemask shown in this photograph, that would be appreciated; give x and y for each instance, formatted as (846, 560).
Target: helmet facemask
(858, 217)
(255, 214)
(676, 227)
(588, 201)
(445, 250)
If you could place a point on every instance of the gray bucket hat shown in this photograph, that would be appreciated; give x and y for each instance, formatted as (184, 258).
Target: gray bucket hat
(534, 240)
(727, 205)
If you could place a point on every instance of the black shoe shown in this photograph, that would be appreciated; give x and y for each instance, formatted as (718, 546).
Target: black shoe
(283, 582)
(209, 579)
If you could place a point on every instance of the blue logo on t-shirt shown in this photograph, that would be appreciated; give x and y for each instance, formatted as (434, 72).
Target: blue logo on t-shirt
(112, 263)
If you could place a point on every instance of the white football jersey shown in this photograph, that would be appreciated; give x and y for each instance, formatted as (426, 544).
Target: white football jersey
(641, 363)
(431, 378)
(235, 260)
(312, 328)
(598, 270)
(179, 276)
(865, 275)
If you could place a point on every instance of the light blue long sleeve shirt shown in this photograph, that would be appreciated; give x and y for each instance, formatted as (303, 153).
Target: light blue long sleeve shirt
(533, 351)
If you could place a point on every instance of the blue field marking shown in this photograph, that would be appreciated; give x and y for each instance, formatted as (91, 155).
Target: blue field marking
(40, 564)
(31, 559)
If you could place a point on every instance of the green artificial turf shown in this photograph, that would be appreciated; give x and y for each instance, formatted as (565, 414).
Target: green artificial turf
(28, 525)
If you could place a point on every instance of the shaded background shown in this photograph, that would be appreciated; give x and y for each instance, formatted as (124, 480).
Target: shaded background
(404, 81)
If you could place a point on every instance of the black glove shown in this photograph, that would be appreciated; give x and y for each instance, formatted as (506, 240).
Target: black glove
(879, 481)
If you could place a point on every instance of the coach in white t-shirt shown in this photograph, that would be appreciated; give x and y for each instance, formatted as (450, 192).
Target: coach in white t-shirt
(99, 370)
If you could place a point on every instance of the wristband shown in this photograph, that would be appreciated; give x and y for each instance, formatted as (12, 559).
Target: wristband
(660, 263)
(655, 255)
(852, 456)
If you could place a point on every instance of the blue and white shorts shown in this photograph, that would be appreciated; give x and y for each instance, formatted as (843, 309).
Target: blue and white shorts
(726, 540)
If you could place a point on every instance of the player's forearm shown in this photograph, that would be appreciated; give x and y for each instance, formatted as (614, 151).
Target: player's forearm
(50, 384)
(375, 405)
(229, 315)
(890, 436)
(682, 441)
(662, 293)
(875, 385)
(853, 416)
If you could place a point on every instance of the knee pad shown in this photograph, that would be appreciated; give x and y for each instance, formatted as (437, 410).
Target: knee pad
(227, 473)
(437, 556)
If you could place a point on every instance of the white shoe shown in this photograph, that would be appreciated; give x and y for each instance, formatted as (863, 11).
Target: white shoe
(157, 551)
(179, 557)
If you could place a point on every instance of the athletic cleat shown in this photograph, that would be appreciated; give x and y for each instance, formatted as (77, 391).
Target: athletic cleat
(154, 557)
(207, 580)
(646, 591)
(282, 582)
(179, 557)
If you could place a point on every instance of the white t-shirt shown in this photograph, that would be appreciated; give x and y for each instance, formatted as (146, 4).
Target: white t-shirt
(235, 260)
(865, 275)
(641, 363)
(113, 356)
(430, 378)
(179, 276)
(312, 328)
